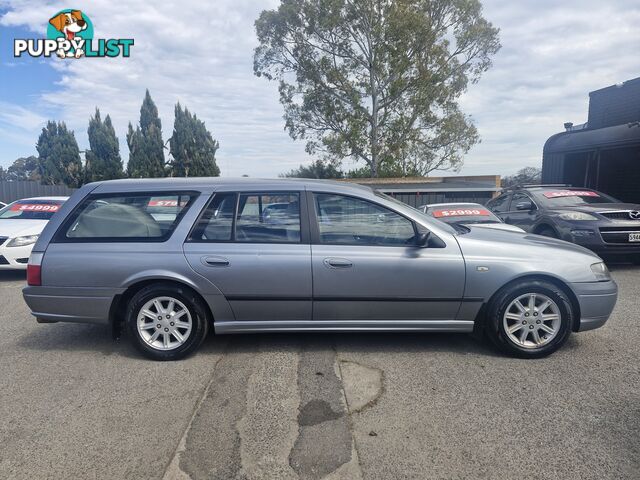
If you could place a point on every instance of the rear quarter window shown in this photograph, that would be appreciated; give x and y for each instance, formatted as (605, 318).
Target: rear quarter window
(130, 217)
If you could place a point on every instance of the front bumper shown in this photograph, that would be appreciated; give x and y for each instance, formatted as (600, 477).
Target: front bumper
(14, 258)
(597, 300)
(600, 237)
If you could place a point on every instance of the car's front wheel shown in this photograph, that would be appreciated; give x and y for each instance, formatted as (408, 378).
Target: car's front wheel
(548, 232)
(166, 322)
(530, 319)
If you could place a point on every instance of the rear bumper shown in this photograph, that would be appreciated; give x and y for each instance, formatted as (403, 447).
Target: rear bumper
(76, 305)
(597, 300)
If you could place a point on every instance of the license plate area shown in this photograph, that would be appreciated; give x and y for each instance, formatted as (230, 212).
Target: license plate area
(634, 237)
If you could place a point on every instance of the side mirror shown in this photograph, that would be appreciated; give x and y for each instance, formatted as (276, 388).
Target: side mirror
(526, 205)
(423, 238)
(428, 240)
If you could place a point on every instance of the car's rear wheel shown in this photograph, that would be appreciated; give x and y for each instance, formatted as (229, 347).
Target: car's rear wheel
(166, 322)
(530, 319)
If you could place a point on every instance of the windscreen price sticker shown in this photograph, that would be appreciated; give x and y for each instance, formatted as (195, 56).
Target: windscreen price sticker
(35, 207)
(461, 213)
(570, 193)
(163, 203)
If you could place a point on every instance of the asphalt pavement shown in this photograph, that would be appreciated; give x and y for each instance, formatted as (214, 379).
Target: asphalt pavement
(74, 403)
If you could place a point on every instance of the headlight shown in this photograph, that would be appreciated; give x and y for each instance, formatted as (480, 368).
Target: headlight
(577, 216)
(601, 272)
(23, 241)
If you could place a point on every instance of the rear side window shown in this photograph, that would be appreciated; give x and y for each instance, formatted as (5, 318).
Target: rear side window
(251, 218)
(268, 218)
(126, 217)
(216, 223)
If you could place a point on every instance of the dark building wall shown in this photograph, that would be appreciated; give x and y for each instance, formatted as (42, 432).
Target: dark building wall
(606, 154)
(615, 105)
(11, 191)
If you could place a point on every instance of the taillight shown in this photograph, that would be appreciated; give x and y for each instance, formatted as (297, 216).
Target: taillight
(34, 278)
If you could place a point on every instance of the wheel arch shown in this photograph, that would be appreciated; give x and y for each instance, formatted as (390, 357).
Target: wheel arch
(545, 225)
(119, 303)
(562, 285)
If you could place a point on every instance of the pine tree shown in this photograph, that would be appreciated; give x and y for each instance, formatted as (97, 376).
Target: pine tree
(192, 147)
(59, 156)
(103, 160)
(146, 149)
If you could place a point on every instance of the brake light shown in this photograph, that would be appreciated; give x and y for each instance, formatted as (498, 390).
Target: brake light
(34, 277)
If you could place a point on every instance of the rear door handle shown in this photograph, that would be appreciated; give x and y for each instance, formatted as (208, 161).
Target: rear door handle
(337, 263)
(215, 261)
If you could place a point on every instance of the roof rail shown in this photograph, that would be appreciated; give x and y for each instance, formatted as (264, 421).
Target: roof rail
(529, 185)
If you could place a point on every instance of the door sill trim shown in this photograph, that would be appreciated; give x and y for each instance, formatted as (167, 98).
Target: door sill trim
(344, 326)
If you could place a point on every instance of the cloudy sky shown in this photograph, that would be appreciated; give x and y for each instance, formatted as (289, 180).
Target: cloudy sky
(200, 53)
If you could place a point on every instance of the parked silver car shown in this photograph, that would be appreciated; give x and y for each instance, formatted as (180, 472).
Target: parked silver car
(173, 258)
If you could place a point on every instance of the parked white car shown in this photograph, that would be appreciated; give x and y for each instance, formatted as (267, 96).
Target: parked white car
(467, 214)
(21, 223)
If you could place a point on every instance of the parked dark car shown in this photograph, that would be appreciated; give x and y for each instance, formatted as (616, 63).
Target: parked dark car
(580, 215)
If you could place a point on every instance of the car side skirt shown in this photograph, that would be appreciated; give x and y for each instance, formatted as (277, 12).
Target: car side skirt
(345, 326)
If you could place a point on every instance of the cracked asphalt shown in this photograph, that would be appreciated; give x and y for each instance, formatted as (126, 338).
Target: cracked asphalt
(74, 403)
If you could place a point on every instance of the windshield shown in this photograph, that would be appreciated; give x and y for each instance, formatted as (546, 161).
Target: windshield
(571, 198)
(30, 210)
(471, 213)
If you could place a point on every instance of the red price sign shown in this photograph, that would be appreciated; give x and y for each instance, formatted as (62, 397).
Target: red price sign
(462, 212)
(570, 193)
(35, 207)
(163, 203)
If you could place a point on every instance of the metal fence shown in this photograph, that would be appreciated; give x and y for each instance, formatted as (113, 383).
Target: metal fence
(11, 191)
(416, 200)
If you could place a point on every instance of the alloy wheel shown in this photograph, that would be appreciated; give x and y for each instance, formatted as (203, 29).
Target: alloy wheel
(532, 320)
(164, 323)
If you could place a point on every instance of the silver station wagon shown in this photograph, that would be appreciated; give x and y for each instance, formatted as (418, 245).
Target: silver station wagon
(174, 258)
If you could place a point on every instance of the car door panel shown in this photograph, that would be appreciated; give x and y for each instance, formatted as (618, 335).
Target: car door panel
(260, 281)
(254, 248)
(358, 280)
(387, 283)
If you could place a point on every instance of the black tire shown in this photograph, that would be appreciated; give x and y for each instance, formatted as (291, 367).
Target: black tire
(193, 303)
(548, 232)
(498, 306)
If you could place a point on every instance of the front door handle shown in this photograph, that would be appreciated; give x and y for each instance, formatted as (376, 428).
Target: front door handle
(337, 263)
(215, 261)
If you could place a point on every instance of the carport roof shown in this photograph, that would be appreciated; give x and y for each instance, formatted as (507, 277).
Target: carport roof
(609, 137)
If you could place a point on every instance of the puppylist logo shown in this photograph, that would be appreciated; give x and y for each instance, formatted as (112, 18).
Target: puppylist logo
(70, 35)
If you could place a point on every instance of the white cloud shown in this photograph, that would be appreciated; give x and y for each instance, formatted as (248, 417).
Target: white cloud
(200, 54)
(197, 53)
(553, 55)
(19, 117)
